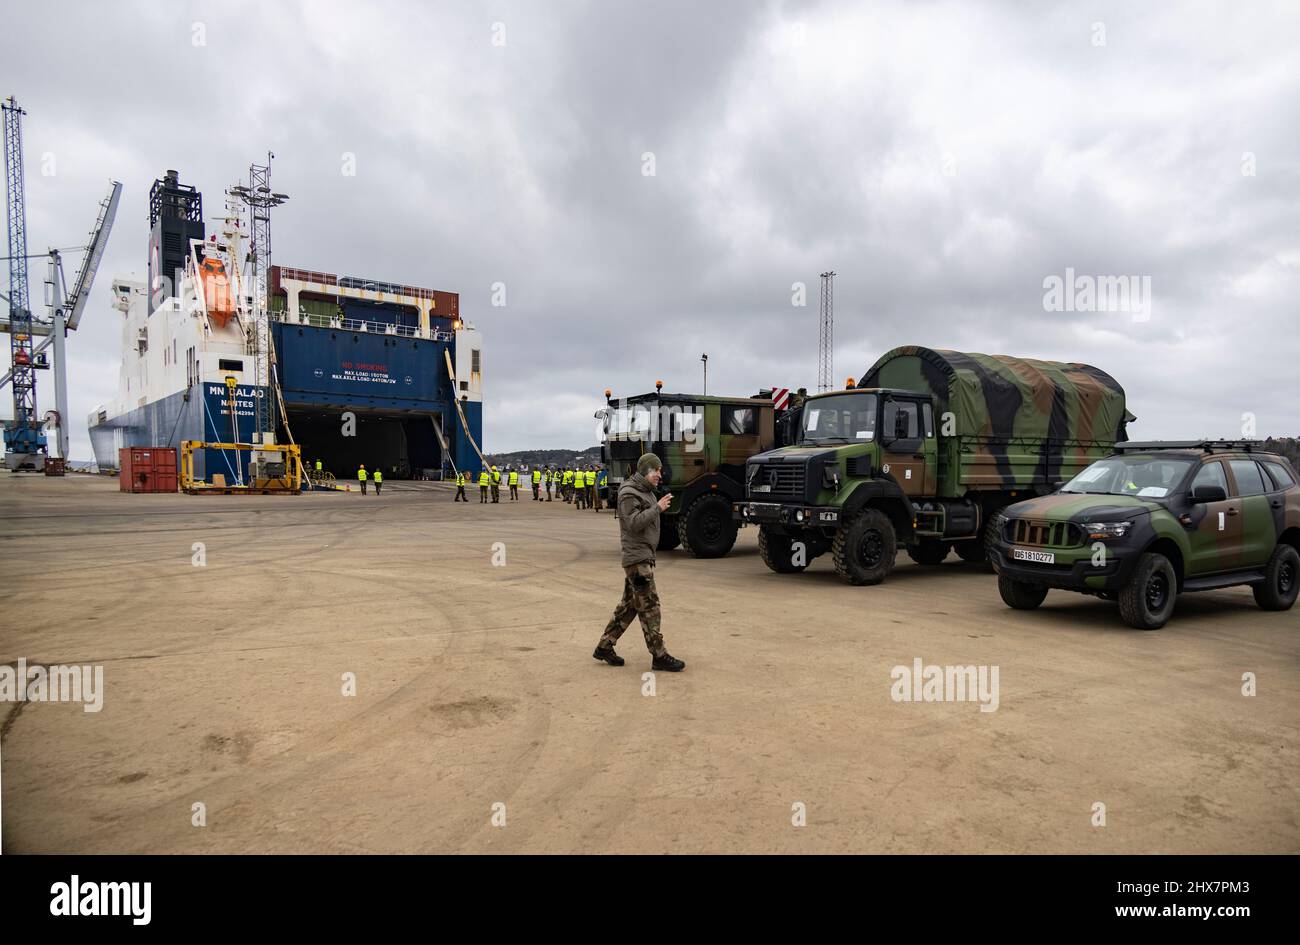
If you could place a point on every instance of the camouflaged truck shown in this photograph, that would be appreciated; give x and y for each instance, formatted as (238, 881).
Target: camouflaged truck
(703, 443)
(922, 453)
(1153, 521)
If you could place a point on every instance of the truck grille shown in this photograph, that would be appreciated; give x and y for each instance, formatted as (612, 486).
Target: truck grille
(782, 481)
(1056, 534)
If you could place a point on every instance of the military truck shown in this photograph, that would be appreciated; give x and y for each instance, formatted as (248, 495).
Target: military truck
(922, 453)
(703, 443)
(1156, 520)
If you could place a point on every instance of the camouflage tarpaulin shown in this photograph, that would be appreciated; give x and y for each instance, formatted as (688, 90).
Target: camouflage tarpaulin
(1002, 398)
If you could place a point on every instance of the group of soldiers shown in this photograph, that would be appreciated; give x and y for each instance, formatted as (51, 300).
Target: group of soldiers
(578, 485)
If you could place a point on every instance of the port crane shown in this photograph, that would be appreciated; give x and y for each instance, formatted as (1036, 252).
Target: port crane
(25, 442)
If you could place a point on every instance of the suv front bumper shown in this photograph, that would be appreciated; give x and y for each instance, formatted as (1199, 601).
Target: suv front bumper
(1073, 570)
(796, 515)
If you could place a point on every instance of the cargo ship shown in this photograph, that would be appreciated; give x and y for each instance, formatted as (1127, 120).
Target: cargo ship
(364, 372)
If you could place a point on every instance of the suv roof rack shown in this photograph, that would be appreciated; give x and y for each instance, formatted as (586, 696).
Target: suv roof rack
(1209, 446)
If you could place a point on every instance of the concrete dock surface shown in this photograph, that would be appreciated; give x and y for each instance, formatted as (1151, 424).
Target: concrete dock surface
(232, 632)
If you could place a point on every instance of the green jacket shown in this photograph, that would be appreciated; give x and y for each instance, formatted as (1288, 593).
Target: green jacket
(638, 521)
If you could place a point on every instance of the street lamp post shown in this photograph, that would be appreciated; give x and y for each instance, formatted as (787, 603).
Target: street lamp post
(704, 358)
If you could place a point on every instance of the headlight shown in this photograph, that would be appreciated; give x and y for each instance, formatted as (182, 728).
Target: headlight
(798, 516)
(1104, 530)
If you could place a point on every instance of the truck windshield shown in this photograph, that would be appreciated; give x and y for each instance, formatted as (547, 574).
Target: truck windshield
(845, 418)
(1150, 477)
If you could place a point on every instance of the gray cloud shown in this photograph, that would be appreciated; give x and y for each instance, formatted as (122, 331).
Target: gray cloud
(788, 138)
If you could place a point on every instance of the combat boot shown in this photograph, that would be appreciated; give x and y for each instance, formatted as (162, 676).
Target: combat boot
(607, 654)
(668, 663)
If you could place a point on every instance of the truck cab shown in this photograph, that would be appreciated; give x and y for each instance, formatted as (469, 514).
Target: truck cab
(703, 443)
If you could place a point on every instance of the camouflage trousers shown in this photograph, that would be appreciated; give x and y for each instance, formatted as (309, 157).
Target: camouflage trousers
(640, 599)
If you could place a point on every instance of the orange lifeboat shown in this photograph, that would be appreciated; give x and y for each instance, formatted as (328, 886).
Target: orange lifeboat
(216, 291)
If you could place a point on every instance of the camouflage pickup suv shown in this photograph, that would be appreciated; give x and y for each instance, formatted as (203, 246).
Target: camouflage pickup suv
(1154, 520)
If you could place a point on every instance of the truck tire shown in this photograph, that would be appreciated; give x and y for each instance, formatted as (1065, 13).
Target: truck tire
(668, 539)
(1281, 580)
(978, 550)
(929, 551)
(706, 529)
(1020, 595)
(865, 548)
(777, 551)
(1147, 600)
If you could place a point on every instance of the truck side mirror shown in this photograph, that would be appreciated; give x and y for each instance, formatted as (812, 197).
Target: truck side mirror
(1208, 494)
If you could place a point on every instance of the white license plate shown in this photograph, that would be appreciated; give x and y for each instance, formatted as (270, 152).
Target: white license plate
(1039, 557)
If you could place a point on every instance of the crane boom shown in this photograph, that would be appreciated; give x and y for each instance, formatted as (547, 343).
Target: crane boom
(75, 303)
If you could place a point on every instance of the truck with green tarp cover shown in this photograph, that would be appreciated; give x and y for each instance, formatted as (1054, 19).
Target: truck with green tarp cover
(922, 453)
(703, 443)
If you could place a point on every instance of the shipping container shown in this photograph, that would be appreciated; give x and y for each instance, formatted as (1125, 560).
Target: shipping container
(147, 469)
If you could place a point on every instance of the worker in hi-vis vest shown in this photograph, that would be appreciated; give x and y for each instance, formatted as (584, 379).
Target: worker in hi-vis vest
(566, 483)
(379, 480)
(514, 484)
(551, 484)
(537, 484)
(593, 492)
(482, 485)
(602, 479)
(460, 488)
(579, 487)
(496, 484)
(361, 478)
(318, 469)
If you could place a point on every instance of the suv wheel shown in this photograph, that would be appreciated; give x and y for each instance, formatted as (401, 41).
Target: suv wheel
(1020, 595)
(1147, 601)
(865, 548)
(778, 551)
(929, 551)
(706, 529)
(1281, 580)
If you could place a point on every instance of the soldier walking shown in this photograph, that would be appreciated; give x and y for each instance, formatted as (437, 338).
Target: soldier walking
(361, 478)
(638, 532)
(536, 476)
(379, 480)
(482, 485)
(460, 488)
(496, 485)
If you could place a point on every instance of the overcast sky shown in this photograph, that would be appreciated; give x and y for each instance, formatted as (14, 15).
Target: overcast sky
(944, 159)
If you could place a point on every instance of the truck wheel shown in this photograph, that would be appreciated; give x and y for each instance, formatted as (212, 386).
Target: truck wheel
(1281, 580)
(778, 551)
(706, 529)
(668, 539)
(1020, 595)
(929, 551)
(1147, 601)
(865, 548)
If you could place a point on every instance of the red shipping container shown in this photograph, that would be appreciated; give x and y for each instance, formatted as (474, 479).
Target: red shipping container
(147, 469)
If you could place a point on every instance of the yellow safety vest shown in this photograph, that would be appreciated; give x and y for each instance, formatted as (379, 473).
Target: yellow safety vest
(379, 475)
(514, 478)
(318, 465)
(591, 477)
(568, 476)
(361, 474)
(483, 478)
(460, 479)
(537, 476)
(496, 476)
